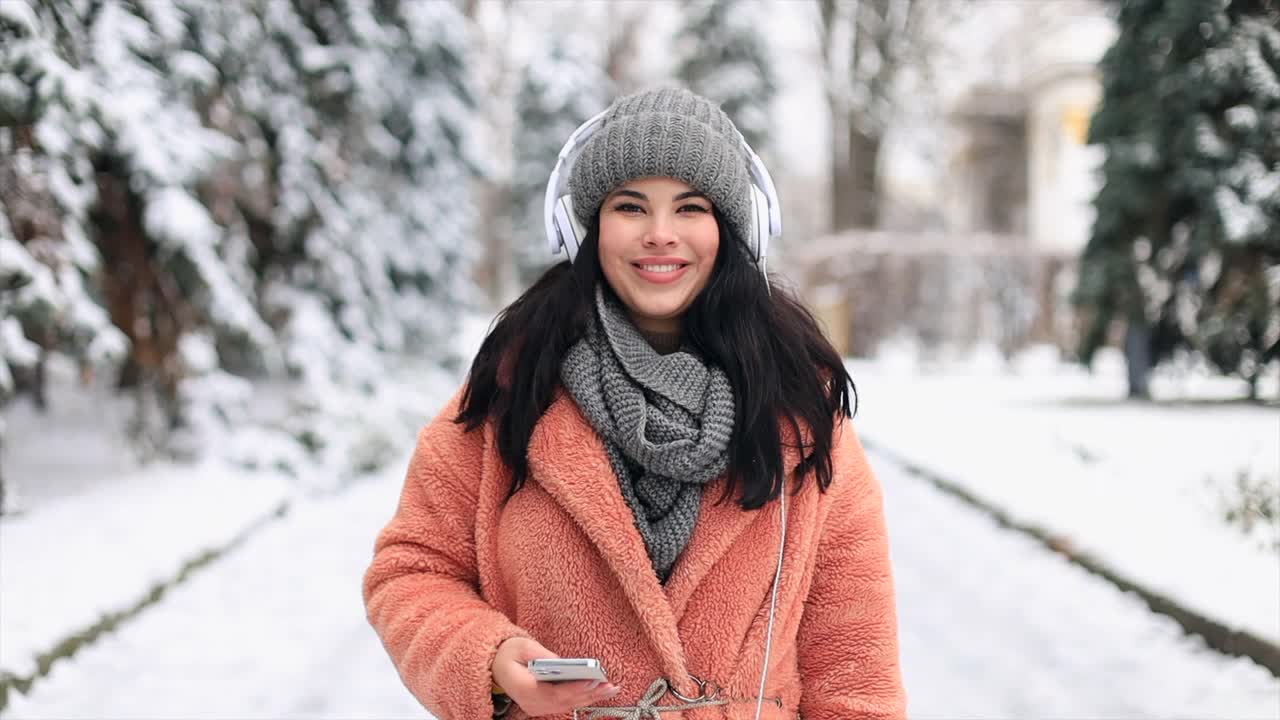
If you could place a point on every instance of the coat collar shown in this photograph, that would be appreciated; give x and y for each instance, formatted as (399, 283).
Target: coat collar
(568, 459)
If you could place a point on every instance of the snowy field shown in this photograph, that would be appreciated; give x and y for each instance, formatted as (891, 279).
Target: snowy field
(1140, 486)
(993, 626)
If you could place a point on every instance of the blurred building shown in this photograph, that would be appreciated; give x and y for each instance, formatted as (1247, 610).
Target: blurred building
(1021, 164)
(1062, 90)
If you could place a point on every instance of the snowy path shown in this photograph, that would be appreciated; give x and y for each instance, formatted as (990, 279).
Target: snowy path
(274, 629)
(100, 551)
(993, 626)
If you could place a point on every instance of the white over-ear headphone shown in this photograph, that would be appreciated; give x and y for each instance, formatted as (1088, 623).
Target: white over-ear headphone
(564, 230)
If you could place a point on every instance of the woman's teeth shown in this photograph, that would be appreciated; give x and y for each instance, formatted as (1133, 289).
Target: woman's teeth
(660, 268)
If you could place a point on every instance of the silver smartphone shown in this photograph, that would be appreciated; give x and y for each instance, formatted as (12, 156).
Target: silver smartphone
(565, 669)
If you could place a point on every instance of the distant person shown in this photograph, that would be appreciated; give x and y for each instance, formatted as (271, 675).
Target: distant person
(607, 484)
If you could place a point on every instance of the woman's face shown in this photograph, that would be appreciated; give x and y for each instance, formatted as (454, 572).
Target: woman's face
(658, 243)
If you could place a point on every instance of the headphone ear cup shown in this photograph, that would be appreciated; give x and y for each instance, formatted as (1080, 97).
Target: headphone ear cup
(571, 230)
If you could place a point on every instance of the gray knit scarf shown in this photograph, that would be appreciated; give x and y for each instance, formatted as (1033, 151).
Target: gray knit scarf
(665, 421)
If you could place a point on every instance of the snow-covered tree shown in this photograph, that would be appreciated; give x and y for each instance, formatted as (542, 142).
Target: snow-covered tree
(357, 120)
(363, 118)
(99, 140)
(1232, 268)
(726, 58)
(1185, 248)
(215, 186)
(559, 88)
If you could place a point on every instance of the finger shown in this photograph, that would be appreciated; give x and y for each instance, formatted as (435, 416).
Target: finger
(577, 687)
(572, 694)
(607, 690)
(604, 691)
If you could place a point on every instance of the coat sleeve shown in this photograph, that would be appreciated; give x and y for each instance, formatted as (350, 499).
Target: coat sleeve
(421, 589)
(848, 637)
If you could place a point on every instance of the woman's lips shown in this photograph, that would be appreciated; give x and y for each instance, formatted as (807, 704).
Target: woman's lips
(660, 277)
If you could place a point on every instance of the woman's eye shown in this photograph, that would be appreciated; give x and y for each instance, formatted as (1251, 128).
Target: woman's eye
(694, 208)
(628, 207)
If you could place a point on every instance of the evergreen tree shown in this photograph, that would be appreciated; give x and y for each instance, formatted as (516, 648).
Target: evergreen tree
(1187, 235)
(726, 59)
(212, 187)
(1228, 285)
(103, 154)
(559, 88)
(358, 117)
(349, 196)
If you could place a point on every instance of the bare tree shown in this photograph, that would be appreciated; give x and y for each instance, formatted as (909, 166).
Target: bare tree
(866, 44)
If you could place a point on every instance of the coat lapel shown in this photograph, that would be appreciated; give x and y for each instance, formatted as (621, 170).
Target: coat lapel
(568, 460)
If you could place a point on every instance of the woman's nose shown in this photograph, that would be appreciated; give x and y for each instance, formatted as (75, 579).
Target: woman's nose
(661, 232)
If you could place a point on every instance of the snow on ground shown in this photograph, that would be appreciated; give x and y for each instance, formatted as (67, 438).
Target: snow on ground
(77, 446)
(97, 530)
(275, 628)
(1137, 485)
(96, 553)
(993, 626)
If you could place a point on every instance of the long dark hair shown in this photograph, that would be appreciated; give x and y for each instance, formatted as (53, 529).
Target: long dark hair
(781, 367)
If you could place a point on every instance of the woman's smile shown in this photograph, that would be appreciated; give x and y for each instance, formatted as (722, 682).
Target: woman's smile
(661, 271)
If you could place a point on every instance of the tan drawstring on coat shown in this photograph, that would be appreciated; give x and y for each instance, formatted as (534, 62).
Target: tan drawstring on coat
(648, 709)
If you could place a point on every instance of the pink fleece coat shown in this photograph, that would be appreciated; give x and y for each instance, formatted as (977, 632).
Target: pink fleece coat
(457, 571)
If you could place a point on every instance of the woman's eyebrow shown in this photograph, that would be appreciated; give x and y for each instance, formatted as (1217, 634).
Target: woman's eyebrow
(641, 196)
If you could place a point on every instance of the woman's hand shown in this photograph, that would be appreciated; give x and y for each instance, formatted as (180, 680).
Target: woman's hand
(536, 698)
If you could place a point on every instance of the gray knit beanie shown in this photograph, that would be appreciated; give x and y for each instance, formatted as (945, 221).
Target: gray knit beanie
(668, 132)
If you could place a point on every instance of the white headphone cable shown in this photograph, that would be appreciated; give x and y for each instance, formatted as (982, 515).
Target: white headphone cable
(773, 603)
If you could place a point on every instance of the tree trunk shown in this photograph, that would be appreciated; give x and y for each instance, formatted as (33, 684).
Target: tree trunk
(497, 269)
(139, 301)
(1137, 355)
(40, 381)
(855, 191)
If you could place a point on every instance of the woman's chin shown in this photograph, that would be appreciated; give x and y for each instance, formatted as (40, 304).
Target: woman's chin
(648, 315)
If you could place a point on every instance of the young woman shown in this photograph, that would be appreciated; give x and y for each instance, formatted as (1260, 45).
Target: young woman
(650, 464)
